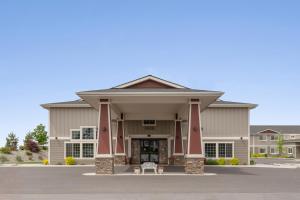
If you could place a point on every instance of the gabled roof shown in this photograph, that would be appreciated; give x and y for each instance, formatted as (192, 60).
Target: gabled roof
(154, 81)
(282, 129)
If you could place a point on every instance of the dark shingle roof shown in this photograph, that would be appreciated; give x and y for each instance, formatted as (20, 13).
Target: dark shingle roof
(283, 129)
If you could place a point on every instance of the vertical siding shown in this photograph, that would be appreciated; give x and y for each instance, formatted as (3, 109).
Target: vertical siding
(225, 122)
(136, 128)
(64, 119)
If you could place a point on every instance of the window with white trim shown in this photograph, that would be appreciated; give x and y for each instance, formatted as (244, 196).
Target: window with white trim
(210, 150)
(82, 144)
(272, 150)
(263, 138)
(274, 137)
(73, 150)
(262, 150)
(88, 150)
(75, 134)
(225, 150)
(290, 150)
(88, 133)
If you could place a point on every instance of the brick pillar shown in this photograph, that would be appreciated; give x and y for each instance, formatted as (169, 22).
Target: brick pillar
(120, 156)
(194, 159)
(104, 160)
(178, 154)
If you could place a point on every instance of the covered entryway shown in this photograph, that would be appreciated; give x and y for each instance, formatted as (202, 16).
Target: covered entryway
(149, 99)
(149, 150)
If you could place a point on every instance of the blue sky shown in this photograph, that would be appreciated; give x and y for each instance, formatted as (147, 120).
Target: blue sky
(51, 49)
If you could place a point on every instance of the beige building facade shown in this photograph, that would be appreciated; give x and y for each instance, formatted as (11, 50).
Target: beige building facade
(149, 120)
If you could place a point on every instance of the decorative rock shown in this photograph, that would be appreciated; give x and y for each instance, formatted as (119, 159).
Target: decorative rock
(194, 165)
(120, 160)
(104, 165)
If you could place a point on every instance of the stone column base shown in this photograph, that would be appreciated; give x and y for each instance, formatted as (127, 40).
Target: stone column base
(179, 160)
(104, 165)
(194, 165)
(120, 160)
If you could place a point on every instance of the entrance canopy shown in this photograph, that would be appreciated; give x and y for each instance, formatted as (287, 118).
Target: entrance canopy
(149, 101)
(149, 98)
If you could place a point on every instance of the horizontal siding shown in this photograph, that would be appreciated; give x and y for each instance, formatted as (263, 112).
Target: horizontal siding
(225, 122)
(241, 151)
(64, 119)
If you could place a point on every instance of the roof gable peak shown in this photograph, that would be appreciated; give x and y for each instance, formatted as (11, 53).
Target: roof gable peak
(149, 81)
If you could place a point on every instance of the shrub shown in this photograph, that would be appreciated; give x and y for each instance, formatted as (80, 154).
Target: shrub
(234, 161)
(30, 158)
(70, 161)
(28, 153)
(252, 162)
(211, 162)
(5, 150)
(3, 159)
(40, 157)
(19, 159)
(21, 148)
(221, 161)
(45, 148)
(32, 146)
(45, 162)
(259, 155)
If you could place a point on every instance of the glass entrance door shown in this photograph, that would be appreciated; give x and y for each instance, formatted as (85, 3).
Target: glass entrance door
(149, 150)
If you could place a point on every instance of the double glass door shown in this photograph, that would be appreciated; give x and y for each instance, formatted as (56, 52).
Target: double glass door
(149, 150)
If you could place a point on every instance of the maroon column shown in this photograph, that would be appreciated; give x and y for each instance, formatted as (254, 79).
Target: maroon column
(104, 160)
(178, 154)
(120, 157)
(194, 162)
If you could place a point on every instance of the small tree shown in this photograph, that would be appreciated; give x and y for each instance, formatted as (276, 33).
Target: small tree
(28, 137)
(32, 146)
(12, 141)
(39, 134)
(280, 144)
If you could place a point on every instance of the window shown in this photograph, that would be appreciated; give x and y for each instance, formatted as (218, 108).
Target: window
(88, 150)
(87, 133)
(262, 150)
(149, 123)
(272, 150)
(73, 150)
(75, 134)
(210, 150)
(290, 150)
(225, 150)
(262, 138)
(292, 137)
(273, 137)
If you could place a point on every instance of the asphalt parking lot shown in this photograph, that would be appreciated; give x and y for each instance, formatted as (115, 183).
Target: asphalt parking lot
(69, 183)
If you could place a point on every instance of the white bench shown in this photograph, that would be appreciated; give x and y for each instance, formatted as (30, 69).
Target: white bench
(149, 165)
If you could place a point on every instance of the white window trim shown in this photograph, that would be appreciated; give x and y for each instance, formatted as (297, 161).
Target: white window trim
(82, 141)
(264, 139)
(93, 127)
(71, 130)
(81, 149)
(217, 149)
(291, 149)
(275, 152)
(274, 139)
